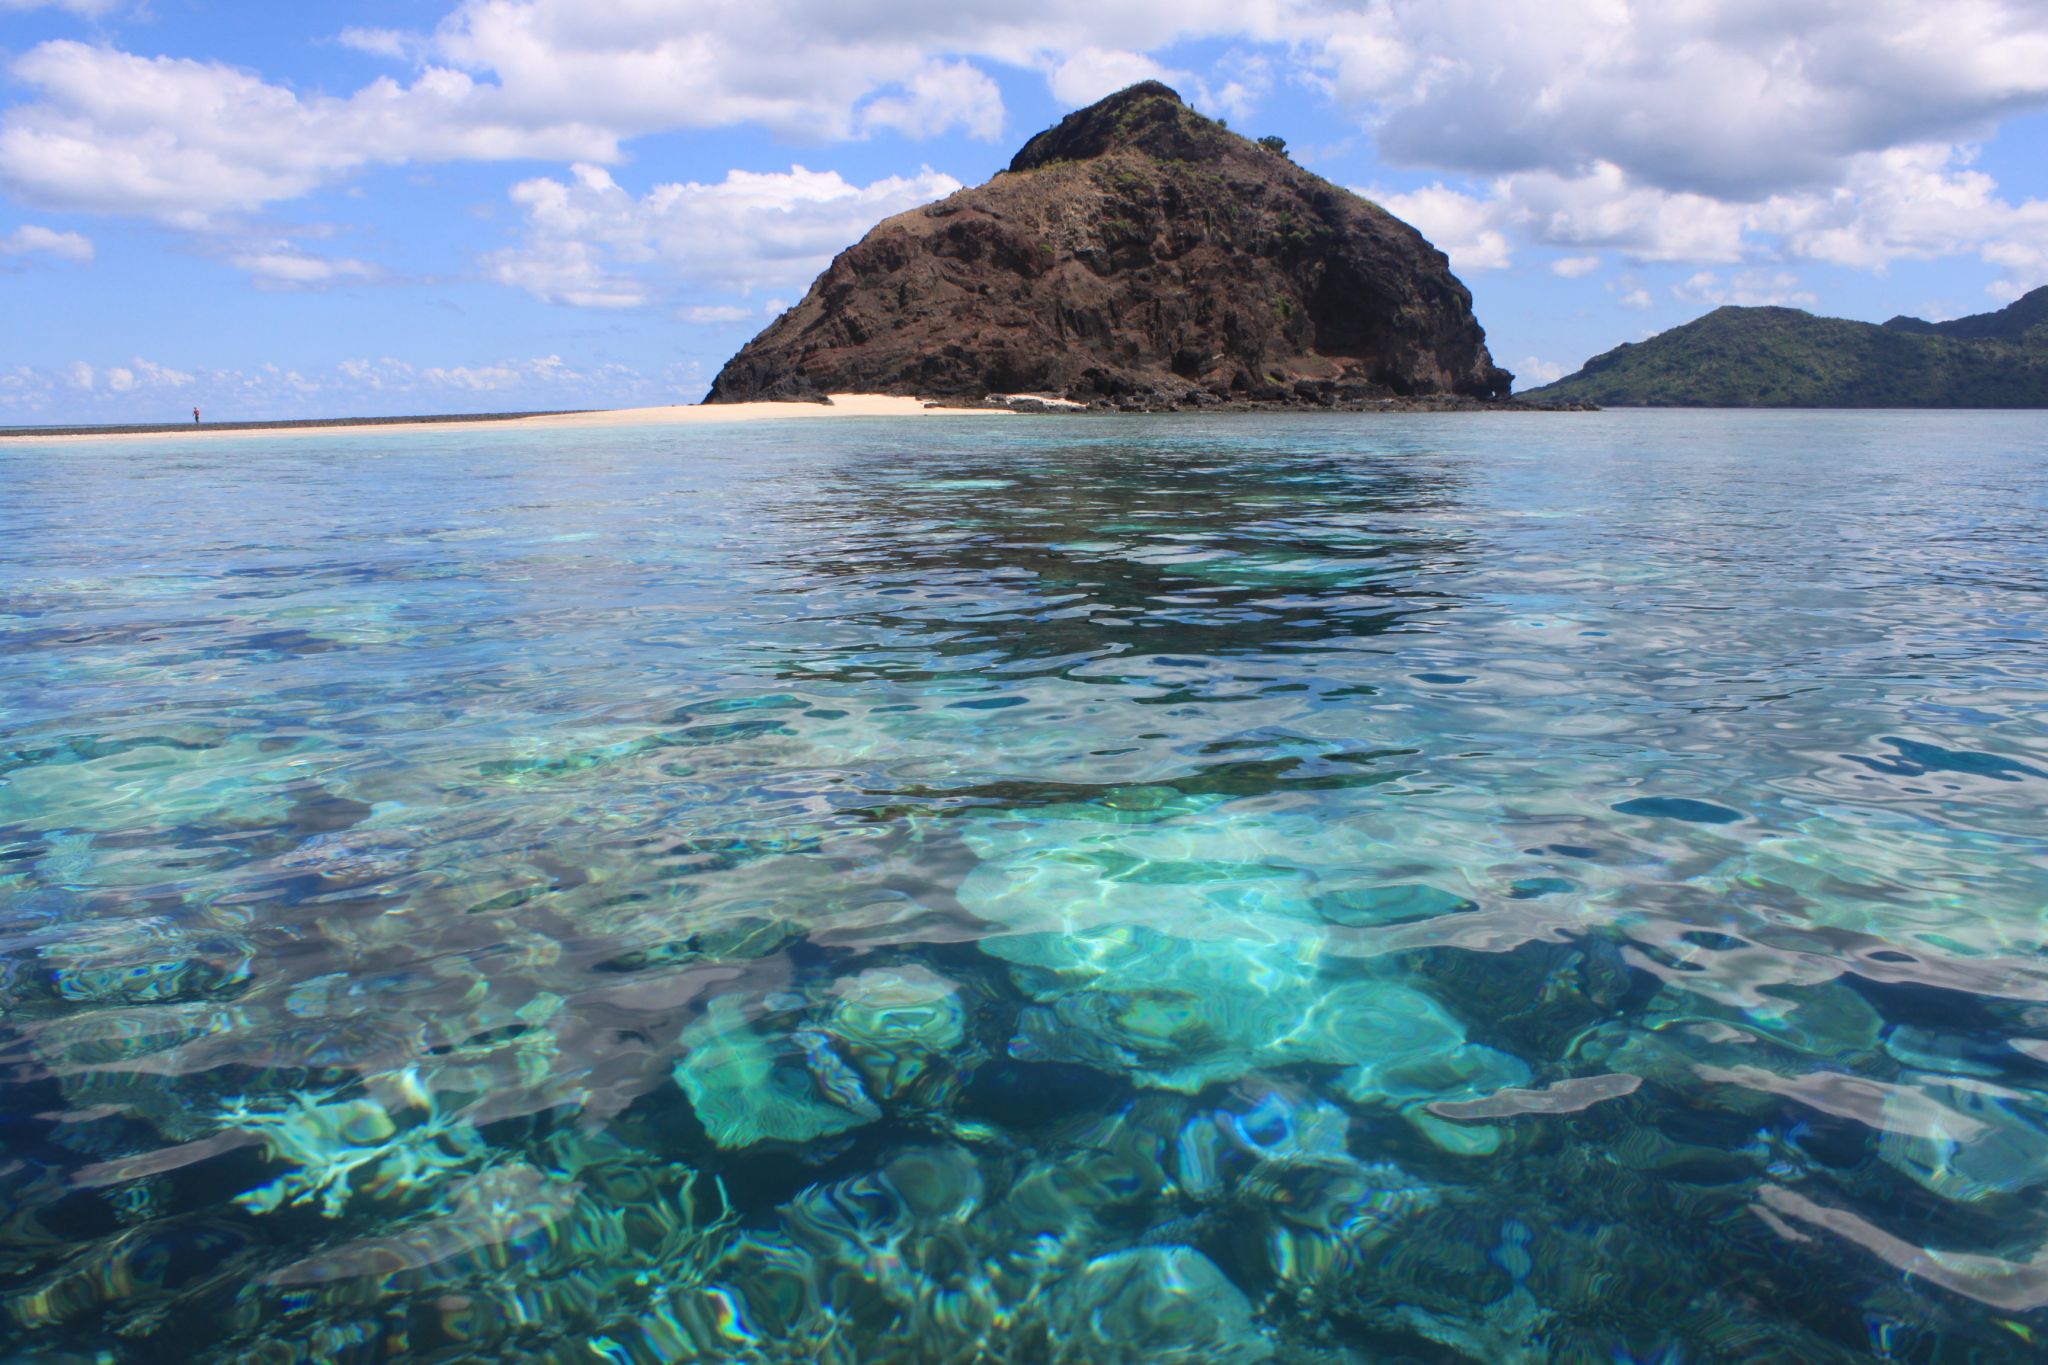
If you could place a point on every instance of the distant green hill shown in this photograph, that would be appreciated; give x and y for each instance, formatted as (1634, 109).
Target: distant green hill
(1784, 358)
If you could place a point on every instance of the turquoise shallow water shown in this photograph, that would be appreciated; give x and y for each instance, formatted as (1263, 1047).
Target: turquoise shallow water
(1071, 890)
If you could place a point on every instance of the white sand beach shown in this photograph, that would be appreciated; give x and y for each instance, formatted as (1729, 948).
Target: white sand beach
(843, 405)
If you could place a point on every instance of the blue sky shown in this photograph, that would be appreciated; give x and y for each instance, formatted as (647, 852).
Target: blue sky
(474, 205)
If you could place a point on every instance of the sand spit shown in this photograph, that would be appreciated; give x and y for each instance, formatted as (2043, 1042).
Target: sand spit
(842, 405)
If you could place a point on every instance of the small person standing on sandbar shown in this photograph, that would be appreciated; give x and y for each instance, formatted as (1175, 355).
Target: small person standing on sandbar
(195, 417)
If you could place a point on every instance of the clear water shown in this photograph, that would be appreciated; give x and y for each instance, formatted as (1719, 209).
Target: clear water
(1073, 890)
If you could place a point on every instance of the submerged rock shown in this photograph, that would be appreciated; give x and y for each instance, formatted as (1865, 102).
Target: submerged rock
(747, 1086)
(338, 1148)
(1156, 1303)
(1183, 1014)
(498, 1206)
(903, 1028)
(1137, 254)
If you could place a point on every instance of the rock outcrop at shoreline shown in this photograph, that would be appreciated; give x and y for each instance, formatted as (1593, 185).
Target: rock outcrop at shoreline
(1136, 255)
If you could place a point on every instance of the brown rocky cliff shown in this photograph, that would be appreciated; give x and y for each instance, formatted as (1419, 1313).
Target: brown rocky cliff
(1137, 252)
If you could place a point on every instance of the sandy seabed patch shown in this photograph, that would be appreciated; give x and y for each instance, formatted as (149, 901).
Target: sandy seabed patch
(843, 405)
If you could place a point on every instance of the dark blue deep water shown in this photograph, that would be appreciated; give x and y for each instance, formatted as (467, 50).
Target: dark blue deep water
(1068, 890)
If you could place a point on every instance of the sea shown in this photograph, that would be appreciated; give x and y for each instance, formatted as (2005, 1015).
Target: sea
(1318, 889)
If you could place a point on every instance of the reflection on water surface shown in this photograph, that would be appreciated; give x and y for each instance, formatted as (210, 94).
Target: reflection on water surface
(1312, 890)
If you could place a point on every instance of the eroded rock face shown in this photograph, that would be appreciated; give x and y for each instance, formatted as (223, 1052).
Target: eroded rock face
(1137, 252)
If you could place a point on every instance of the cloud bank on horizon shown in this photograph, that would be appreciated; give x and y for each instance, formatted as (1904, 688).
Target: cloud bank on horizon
(673, 165)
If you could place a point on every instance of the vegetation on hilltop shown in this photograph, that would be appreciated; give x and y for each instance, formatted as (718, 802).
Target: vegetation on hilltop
(1786, 358)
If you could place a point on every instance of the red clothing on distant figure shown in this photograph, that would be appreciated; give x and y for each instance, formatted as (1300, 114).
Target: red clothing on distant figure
(195, 417)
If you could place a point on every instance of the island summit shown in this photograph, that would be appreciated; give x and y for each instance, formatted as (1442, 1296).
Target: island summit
(1137, 255)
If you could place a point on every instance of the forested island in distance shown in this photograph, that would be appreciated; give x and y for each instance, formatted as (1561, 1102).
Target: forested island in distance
(1786, 358)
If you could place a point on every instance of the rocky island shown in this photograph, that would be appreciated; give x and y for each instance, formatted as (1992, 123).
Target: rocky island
(1137, 255)
(1787, 358)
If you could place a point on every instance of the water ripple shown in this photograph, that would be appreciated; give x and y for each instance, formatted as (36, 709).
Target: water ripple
(1298, 889)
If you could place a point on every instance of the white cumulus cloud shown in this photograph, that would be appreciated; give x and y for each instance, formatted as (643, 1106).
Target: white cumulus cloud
(377, 42)
(91, 9)
(1907, 203)
(1746, 289)
(136, 374)
(186, 141)
(140, 389)
(1715, 133)
(282, 266)
(941, 95)
(1594, 208)
(30, 239)
(1085, 76)
(1735, 101)
(1915, 203)
(156, 376)
(1466, 229)
(1601, 207)
(591, 243)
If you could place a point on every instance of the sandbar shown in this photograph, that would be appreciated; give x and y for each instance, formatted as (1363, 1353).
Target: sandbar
(843, 405)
